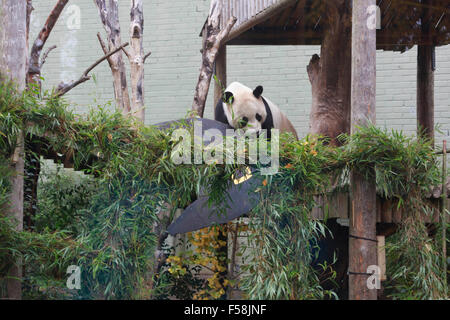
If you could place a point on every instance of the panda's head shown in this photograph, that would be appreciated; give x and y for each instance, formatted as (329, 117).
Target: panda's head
(245, 108)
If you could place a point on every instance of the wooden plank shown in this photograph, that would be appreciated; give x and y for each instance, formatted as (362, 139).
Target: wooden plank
(379, 210)
(362, 253)
(317, 212)
(381, 247)
(386, 213)
(386, 209)
(276, 36)
(425, 79)
(241, 11)
(262, 16)
(236, 11)
(340, 210)
(396, 213)
(444, 214)
(224, 15)
(425, 90)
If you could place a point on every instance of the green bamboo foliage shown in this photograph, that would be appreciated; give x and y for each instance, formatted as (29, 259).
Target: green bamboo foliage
(114, 240)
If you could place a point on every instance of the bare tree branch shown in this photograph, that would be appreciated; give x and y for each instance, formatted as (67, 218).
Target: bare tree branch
(126, 53)
(147, 55)
(34, 69)
(105, 50)
(63, 88)
(213, 39)
(44, 57)
(29, 11)
(102, 43)
(109, 15)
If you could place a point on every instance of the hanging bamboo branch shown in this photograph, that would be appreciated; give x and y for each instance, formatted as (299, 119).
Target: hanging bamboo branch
(212, 41)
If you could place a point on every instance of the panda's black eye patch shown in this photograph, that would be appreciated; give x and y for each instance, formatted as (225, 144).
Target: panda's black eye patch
(243, 122)
(258, 117)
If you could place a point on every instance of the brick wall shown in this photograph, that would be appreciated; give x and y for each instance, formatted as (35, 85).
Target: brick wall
(171, 33)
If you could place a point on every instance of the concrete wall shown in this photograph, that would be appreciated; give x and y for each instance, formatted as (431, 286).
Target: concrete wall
(171, 33)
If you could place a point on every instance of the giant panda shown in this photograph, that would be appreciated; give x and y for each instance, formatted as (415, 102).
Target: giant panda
(247, 109)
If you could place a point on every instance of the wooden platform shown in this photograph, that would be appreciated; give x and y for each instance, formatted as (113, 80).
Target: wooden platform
(338, 206)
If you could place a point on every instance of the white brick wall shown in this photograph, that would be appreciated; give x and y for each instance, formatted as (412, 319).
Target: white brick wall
(171, 33)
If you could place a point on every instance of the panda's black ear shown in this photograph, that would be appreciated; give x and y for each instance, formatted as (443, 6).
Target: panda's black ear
(228, 97)
(258, 91)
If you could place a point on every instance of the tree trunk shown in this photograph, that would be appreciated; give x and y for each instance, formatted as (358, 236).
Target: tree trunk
(212, 41)
(34, 78)
(109, 14)
(137, 59)
(13, 65)
(362, 226)
(330, 75)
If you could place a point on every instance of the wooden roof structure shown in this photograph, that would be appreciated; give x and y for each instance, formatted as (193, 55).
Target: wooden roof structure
(301, 22)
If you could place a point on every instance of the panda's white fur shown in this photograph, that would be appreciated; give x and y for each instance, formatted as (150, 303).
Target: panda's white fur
(247, 104)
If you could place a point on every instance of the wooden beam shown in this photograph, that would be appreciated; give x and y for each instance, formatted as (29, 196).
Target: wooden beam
(444, 215)
(425, 81)
(362, 225)
(425, 90)
(297, 36)
(277, 36)
(221, 74)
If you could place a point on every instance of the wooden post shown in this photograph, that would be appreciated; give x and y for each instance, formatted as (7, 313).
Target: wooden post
(444, 213)
(330, 75)
(221, 73)
(425, 90)
(362, 251)
(425, 80)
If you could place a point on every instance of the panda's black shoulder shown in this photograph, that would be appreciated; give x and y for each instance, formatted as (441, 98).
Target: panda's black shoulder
(219, 113)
